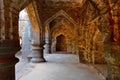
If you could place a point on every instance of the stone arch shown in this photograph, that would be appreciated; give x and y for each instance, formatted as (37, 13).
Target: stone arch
(29, 4)
(60, 13)
(49, 29)
(68, 31)
(62, 26)
(37, 41)
(31, 29)
(55, 16)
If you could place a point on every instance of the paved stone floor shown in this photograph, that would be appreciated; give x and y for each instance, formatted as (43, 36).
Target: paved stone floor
(57, 67)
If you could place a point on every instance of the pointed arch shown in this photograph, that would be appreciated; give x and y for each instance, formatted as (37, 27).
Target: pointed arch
(55, 16)
(60, 13)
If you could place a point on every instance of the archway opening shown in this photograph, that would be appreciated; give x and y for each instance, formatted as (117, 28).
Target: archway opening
(25, 32)
(29, 33)
(61, 43)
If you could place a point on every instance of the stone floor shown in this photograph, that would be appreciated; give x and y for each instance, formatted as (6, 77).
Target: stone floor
(58, 67)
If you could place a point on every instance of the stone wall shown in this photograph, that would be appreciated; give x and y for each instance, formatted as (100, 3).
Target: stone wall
(113, 58)
(107, 22)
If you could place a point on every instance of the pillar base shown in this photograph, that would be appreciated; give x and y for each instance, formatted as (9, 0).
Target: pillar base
(38, 60)
(37, 54)
(7, 63)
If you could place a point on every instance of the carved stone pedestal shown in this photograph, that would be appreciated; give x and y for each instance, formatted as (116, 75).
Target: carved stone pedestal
(37, 53)
(7, 63)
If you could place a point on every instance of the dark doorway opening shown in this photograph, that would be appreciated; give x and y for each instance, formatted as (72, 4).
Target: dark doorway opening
(61, 43)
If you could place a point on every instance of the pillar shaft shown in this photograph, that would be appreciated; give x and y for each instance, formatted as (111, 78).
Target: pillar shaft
(48, 48)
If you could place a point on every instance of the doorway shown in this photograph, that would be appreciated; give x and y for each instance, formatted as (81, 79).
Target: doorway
(61, 43)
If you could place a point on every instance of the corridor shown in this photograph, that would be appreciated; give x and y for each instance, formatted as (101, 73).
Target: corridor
(58, 67)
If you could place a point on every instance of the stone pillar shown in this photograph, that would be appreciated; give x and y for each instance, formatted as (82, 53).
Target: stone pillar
(48, 47)
(48, 43)
(37, 44)
(37, 35)
(47, 40)
(53, 46)
(9, 42)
